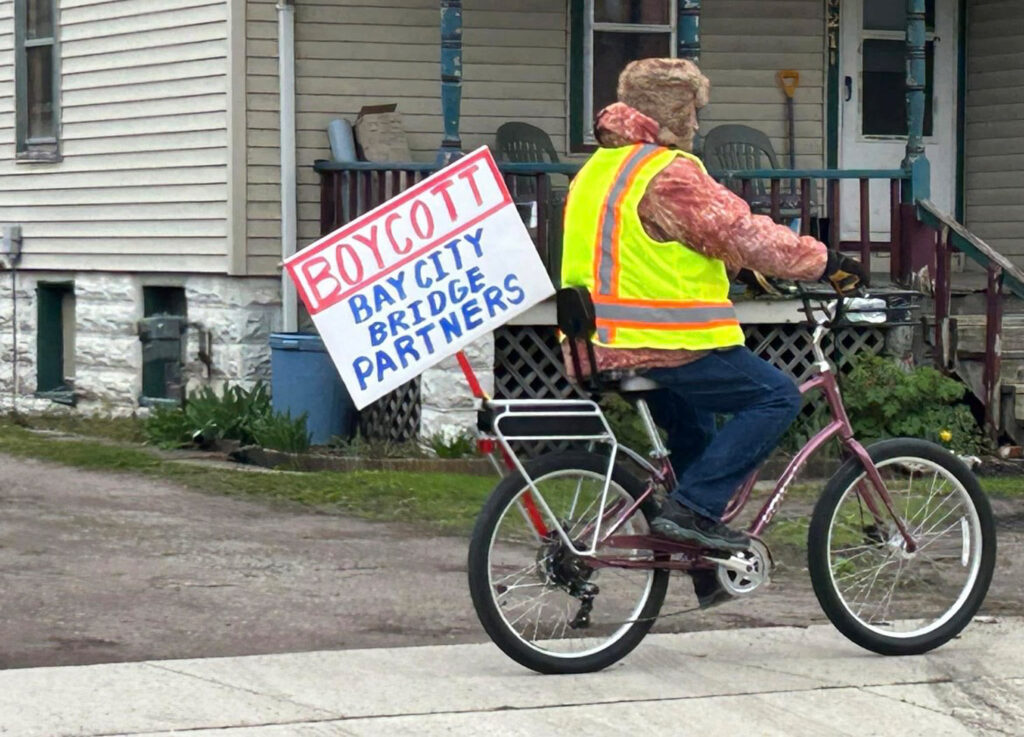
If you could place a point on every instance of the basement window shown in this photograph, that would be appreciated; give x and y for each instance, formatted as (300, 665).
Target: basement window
(55, 342)
(163, 347)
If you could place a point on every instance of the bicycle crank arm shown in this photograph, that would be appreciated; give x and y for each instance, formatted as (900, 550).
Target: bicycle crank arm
(733, 563)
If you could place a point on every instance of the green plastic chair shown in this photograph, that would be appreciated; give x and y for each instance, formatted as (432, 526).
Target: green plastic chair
(516, 141)
(525, 143)
(742, 147)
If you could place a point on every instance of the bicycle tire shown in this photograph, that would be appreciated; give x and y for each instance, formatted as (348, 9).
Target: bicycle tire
(900, 455)
(487, 609)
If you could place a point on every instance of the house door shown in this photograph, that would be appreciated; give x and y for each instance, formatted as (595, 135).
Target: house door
(873, 119)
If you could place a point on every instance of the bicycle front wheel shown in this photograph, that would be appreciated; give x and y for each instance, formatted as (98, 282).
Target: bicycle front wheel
(876, 592)
(546, 608)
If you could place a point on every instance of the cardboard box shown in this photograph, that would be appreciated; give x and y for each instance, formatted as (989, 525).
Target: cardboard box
(381, 135)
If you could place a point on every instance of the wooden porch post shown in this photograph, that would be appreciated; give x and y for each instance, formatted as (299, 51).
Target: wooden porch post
(689, 30)
(919, 184)
(993, 349)
(451, 79)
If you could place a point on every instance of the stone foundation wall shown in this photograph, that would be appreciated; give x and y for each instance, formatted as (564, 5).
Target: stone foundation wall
(446, 404)
(19, 363)
(238, 315)
(229, 324)
(230, 320)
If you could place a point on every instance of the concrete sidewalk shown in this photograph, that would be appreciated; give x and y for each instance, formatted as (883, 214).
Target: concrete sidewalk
(783, 681)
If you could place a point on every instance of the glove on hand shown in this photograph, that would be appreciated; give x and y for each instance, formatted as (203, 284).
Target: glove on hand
(844, 273)
(755, 282)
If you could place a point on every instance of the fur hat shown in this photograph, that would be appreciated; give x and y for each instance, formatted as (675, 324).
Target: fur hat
(665, 90)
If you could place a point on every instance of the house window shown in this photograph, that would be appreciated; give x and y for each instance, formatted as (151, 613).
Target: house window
(55, 341)
(37, 80)
(607, 35)
(161, 332)
(883, 53)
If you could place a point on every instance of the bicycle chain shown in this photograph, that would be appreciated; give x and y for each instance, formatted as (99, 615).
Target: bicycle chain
(656, 618)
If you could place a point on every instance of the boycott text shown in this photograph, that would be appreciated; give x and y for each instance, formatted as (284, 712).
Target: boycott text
(364, 254)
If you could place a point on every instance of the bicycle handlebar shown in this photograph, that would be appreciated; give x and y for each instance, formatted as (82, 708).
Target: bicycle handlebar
(833, 318)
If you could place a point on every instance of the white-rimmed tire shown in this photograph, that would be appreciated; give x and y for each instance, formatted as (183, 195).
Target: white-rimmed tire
(876, 593)
(529, 592)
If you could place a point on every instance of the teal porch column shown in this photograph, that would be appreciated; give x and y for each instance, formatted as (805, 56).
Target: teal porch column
(451, 79)
(689, 30)
(919, 184)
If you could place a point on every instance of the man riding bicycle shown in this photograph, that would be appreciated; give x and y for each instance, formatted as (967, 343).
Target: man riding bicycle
(654, 239)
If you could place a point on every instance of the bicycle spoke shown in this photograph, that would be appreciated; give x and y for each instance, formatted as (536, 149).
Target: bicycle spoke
(887, 599)
(936, 523)
(935, 538)
(522, 573)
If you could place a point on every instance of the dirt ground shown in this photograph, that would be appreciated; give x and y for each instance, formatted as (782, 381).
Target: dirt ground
(101, 567)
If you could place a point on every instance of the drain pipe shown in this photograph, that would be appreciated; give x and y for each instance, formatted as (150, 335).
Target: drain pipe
(14, 337)
(10, 252)
(286, 77)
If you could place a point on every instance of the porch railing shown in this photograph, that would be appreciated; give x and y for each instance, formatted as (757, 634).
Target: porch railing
(349, 189)
(951, 236)
(803, 184)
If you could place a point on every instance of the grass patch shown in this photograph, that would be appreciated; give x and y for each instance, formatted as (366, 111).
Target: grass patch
(1003, 485)
(80, 453)
(122, 429)
(444, 501)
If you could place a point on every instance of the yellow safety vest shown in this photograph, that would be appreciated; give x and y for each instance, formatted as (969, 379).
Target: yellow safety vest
(647, 294)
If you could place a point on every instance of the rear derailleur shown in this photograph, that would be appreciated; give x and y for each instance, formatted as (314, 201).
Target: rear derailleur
(571, 574)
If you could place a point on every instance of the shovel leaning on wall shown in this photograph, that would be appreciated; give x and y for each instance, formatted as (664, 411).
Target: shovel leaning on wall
(788, 80)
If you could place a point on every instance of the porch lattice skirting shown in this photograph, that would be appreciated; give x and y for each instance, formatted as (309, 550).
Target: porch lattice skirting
(528, 365)
(395, 417)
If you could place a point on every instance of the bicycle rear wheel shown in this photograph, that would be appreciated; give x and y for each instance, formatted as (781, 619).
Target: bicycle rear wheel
(876, 593)
(546, 608)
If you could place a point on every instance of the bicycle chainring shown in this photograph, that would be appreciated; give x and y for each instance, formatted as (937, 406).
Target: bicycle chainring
(759, 560)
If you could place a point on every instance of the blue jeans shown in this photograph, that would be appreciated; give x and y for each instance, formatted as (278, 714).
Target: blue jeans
(710, 464)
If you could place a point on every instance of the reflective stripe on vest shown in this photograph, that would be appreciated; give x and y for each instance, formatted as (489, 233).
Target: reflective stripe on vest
(672, 296)
(608, 232)
(666, 317)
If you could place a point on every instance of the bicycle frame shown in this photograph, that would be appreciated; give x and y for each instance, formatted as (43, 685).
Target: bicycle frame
(688, 556)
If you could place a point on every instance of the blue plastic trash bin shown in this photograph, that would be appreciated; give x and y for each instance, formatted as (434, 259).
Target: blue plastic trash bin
(303, 379)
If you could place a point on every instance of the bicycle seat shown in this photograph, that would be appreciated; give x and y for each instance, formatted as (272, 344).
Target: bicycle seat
(637, 384)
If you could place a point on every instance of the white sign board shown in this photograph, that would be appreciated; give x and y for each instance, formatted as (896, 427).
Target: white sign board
(411, 282)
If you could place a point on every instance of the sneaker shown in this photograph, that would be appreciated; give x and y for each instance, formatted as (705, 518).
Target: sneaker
(680, 523)
(709, 592)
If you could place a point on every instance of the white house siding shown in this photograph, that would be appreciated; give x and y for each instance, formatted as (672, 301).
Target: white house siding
(743, 44)
(140, 198)
(142, 185)
(994, 137)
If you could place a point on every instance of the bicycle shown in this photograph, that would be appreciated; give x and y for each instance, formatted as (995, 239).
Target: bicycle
(566, 578)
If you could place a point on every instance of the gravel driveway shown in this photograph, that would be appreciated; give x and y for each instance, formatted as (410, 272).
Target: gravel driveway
(104, 567)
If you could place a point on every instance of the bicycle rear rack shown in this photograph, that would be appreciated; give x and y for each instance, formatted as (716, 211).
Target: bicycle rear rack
(571, 420)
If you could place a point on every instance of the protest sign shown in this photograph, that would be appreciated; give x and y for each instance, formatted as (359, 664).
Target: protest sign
(411, 282)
